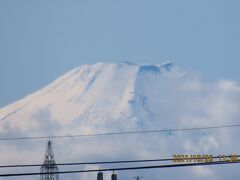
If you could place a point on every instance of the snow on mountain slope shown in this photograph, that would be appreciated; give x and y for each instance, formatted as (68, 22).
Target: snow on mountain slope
(95, 95)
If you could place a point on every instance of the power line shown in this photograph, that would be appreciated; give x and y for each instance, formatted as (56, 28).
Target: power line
(88, 163)
(124, 168)
(119, 133)
(100, 162)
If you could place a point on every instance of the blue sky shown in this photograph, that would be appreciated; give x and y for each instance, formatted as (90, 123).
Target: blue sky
(40, 40)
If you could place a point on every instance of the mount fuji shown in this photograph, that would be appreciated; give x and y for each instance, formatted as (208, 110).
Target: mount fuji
(116, 96)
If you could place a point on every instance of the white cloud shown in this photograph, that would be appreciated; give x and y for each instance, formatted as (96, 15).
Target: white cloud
(169, 103)
(203, 171)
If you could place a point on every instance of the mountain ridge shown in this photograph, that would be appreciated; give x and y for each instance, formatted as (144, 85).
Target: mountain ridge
(98, 95)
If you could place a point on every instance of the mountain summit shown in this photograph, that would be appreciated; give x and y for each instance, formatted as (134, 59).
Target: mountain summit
(117, 96)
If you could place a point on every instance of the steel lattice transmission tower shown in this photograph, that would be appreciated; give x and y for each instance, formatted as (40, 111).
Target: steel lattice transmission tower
(49, 165)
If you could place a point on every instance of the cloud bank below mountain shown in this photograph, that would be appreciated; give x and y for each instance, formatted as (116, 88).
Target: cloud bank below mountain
(126, 97)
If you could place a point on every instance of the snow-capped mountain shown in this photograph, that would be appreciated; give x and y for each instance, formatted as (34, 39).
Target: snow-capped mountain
(121, 95)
